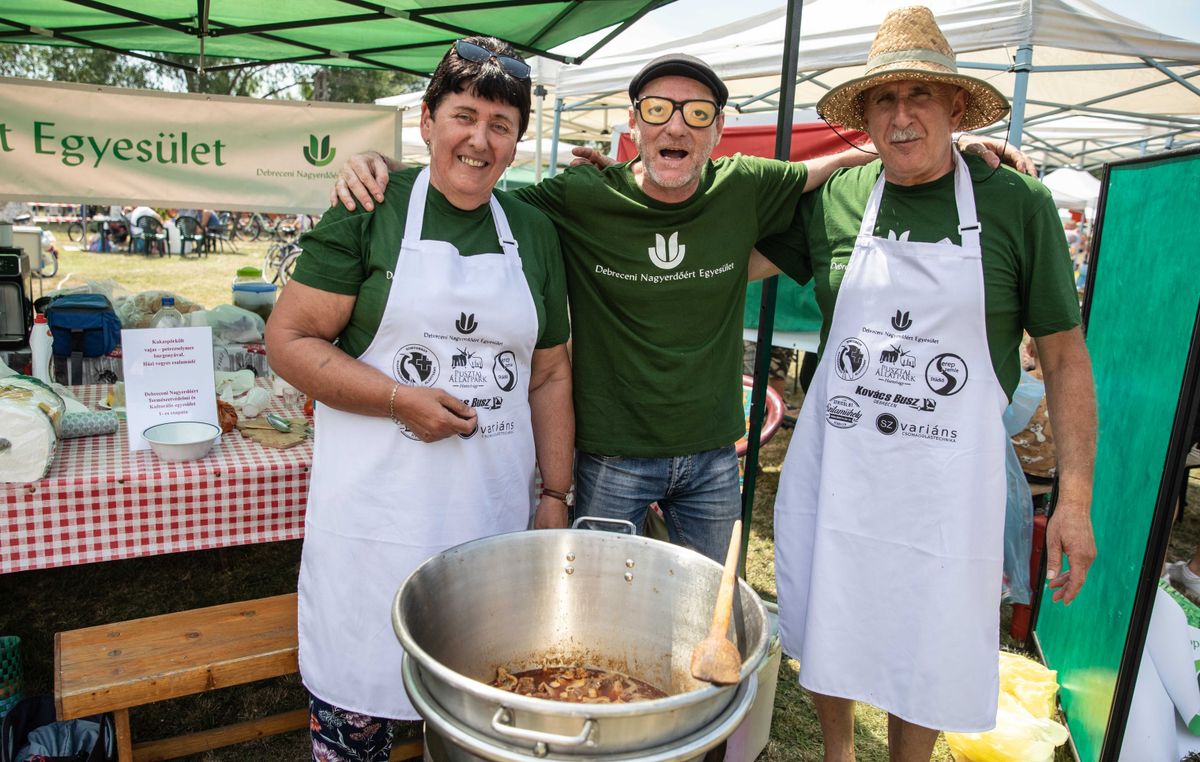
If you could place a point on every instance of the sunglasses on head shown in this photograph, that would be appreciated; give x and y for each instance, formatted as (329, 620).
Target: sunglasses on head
(697, 113)
(469, 51)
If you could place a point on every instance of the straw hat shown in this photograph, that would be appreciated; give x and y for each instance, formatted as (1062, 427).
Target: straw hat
(910, 46)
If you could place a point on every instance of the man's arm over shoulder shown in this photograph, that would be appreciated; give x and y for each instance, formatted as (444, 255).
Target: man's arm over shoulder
(364, 177)
(822, 167)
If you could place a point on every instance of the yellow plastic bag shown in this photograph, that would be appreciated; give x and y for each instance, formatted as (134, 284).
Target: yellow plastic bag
(1024, 731)
(1029, 683)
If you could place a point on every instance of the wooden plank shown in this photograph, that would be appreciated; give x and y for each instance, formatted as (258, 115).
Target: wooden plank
(141, 661)
(194, 743)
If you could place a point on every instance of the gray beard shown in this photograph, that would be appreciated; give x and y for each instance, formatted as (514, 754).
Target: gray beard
(652, 173)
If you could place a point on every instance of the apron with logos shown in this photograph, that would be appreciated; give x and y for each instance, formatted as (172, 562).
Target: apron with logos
(890, 512)
(380, 500)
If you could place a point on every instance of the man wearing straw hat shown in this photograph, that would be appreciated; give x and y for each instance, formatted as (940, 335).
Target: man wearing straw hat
(890, 511)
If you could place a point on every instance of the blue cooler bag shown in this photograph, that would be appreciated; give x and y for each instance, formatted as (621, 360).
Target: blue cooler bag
(83, 325)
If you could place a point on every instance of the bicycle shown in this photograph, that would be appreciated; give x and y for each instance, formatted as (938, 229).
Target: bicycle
(288, 229)
(48, 266)
(281, 261)
(247, 226)
(75, 231)
(288, 266)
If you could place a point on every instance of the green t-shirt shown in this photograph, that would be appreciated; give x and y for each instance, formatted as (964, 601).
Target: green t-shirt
(353, 253)
(1027, 278)
(656, 299)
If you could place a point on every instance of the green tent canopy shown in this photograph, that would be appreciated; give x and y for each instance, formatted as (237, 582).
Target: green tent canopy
(403, 35)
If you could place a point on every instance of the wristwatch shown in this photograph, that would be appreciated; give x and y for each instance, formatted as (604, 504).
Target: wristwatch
(567, 498)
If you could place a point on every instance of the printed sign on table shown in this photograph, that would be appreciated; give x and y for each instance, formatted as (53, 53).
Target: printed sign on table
(168, 377)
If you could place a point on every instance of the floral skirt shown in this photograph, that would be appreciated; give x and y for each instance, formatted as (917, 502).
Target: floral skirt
(339, 735)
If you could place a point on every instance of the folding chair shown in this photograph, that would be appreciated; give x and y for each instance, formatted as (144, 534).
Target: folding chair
(153, 236)
(190, 231)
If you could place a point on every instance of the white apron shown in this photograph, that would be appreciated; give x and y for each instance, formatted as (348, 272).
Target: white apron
(380, 501)
(890, 512)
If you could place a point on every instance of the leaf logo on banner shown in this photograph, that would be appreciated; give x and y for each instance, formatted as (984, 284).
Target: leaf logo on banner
(320, 154)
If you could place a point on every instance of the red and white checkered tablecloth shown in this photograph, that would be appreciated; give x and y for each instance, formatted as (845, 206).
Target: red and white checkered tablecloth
(101, 502)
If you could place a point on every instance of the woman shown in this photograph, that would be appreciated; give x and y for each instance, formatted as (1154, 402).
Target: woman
(449, 373)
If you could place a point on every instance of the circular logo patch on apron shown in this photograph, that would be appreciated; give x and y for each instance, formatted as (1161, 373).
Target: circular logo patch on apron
(851, 360)
(416, 365)
(946, 374)
(504, 370)
(887, 424)
(842, 412)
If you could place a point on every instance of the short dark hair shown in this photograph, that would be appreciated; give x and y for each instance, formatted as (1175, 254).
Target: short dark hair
(485, 80)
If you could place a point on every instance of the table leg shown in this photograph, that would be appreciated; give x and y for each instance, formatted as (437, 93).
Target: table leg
(124, 738)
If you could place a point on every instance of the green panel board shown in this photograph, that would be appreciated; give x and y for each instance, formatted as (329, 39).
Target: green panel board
(795, 306)
(1139, 331)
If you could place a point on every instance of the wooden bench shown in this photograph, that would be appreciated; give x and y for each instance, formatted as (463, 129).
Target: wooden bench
(111, 668)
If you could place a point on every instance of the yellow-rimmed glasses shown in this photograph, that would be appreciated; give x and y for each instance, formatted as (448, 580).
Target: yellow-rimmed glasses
(696, 113)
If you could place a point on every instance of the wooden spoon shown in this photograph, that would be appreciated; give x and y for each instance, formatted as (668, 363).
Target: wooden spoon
(716, 659)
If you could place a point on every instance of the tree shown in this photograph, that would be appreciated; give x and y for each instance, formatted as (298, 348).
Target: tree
(345, 85)
(283, 81)
(86, 65)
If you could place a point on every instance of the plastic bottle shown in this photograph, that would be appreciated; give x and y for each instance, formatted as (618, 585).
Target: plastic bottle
(41, 343)
(167, 316)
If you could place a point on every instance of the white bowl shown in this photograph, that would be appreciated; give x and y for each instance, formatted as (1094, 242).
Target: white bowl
(182, 440)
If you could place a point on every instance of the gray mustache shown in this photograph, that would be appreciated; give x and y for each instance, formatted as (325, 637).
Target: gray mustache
(899, 136)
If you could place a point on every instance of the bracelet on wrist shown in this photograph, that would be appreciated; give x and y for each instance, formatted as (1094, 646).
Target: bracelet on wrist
(559, 496)
(392, 405)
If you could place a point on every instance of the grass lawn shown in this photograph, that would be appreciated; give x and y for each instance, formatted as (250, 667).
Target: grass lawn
(35, 605)
(206, 280)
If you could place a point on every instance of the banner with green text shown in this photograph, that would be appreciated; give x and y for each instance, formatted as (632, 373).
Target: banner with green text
(80, 143)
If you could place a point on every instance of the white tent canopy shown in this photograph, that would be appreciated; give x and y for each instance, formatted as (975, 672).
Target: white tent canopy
(1072, 188)
(1083, 60)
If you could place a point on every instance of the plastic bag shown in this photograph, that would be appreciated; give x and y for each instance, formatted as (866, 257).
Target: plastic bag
(1018, 737)
(1030, 683)
(232, 324)
(138, 311)
(1025, 400)
(1018, 506)
(1024, 731)
(232, 384)
(1018, 529)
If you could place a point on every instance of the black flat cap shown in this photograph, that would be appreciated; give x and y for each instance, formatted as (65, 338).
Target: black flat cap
(680, 65)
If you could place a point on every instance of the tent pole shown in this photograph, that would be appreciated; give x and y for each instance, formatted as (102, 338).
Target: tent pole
(766, 310)
(539, 92)
(398, 146)
(558, 109)
(1021, 66)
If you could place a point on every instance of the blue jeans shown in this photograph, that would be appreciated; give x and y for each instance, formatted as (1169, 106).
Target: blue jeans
(698, 494)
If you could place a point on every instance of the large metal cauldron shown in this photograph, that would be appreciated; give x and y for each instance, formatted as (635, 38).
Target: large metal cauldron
(558, 597)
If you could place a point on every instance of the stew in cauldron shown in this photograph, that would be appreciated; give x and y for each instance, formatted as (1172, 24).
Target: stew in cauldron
(578, 685)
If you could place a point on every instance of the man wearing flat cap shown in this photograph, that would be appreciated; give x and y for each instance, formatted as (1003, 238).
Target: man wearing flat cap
(890, 511)
(656, 253)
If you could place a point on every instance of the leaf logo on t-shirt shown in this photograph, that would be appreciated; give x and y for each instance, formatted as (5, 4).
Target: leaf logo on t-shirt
(667, 254)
